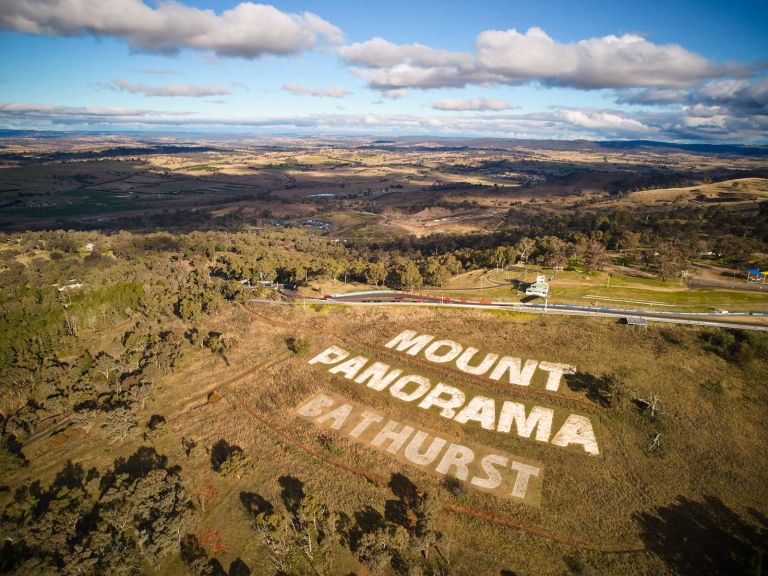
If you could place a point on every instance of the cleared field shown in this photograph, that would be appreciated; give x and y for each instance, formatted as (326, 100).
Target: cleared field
(740, 190)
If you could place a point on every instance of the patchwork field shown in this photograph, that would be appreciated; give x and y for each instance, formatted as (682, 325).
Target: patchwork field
(414, 188)
(179, 397)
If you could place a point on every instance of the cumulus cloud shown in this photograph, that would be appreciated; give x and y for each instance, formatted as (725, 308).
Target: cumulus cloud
(744, 96)
(601, 120)
(170, 90)
(610, 61)
(395, 93)
(652, 96)
(29, 114)
(511, 57)
(473, 104)
(247, 30)
(716, 109)
(706, 122)
(747, 95)
(387, 66)
(325, 92)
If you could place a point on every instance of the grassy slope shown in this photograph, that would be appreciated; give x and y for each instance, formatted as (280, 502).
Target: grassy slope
(623, 291)
(713, 443)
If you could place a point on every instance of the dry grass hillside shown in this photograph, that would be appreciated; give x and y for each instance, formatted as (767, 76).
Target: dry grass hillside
(694, 503)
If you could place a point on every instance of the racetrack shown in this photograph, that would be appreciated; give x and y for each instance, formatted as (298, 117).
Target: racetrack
(741, 320)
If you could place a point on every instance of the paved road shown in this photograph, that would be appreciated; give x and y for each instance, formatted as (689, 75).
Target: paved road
(730, 320)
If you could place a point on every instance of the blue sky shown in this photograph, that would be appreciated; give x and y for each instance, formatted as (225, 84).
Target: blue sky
(687, 71)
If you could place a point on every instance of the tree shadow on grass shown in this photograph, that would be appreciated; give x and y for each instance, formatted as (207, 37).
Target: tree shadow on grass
(221, 451)
(367, 520)
(255, 504)
(598, 390)
(239, 568)
(71, 476)
(706, 538)
(137, 465)
(196, 558)
(399, 511)
(292, 493)
(404, 489)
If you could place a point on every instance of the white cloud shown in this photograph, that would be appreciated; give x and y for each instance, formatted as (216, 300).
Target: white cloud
(609, 61)
(325, 92)
(601, 120)
(652, 96)
(695, 123)
(380, 53)
(738, 97)
(745, 96)
(395, 94)
(510, 57)
(388, 66)
(247, 30)
(170, 90)
(473, 104)
(47, 114)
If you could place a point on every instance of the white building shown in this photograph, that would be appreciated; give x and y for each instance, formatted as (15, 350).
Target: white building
(538, 288)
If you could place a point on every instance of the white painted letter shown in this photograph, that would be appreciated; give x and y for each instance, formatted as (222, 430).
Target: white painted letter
(524, 472)
(577, 430)
(412, 450)
(350, 367)
(458, 456)
(338, 415)
(408, 342)
(480, 409)
(521, 377)
(395, 439)
(455, 398)
(330, 356)
(493, 479)
(397, 388)
(463, 362)
(377, 376)
(555, 372)
(432, 355)
(539, 418)
(316, 406)
(367, 418)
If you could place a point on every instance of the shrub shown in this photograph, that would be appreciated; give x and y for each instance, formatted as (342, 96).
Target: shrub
(712, 385)
(297, 345)
(236, 464)
(736, 346)
(331, 445)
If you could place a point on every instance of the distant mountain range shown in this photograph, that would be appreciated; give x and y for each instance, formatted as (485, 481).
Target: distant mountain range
(432, 143)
